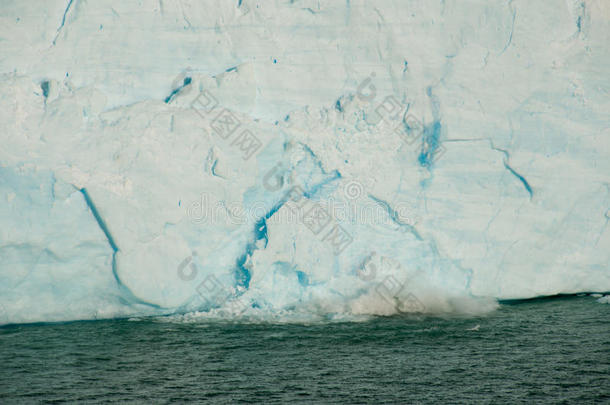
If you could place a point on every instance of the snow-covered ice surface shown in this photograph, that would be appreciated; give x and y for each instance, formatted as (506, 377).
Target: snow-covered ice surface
(391, 156)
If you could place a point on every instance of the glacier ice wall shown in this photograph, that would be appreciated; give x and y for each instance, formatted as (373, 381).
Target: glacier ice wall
(297, 159)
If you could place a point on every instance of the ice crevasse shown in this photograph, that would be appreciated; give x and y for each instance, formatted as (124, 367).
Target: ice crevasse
(294, 160)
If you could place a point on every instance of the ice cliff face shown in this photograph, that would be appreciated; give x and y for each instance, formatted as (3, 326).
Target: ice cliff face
(293, 159)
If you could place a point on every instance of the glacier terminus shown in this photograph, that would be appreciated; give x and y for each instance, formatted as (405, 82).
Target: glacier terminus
(300, 160)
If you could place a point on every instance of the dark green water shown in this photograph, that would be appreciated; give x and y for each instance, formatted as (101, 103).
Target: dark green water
(544, 351)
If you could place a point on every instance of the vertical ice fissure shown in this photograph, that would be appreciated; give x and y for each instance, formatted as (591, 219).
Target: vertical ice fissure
(102, 224)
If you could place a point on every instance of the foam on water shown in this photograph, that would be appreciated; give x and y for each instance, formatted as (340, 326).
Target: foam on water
(604, 300)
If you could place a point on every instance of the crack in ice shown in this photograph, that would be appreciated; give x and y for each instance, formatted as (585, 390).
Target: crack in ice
(115, 249)
(63, 20)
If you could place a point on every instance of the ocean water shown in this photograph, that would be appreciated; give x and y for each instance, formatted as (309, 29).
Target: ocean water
(539, 351)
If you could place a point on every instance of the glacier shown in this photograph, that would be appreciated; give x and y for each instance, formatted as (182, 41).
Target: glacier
(294, 160)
